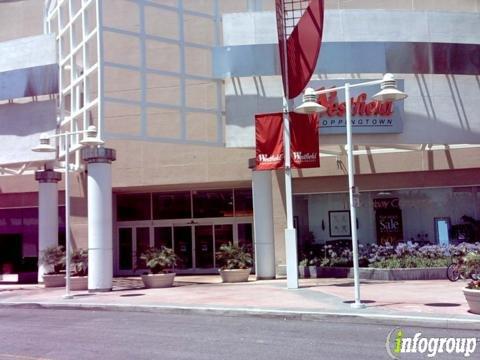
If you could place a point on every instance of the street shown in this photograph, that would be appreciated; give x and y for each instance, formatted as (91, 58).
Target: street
(28, 334)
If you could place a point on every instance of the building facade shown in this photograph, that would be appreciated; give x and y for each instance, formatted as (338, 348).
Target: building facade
(173, 86)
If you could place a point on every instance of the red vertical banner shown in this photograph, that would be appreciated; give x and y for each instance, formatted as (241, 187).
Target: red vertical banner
(304, 145)
(269, 141)
(300, 29)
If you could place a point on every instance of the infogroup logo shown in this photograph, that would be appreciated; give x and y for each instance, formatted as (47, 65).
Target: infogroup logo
(398, 344)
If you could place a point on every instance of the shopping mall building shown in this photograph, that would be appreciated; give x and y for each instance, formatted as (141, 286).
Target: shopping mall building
(173, 86)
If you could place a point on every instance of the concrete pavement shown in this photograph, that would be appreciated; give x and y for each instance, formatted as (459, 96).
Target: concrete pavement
(437, 303)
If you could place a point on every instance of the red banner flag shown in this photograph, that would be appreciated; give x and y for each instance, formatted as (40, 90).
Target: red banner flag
(304, 142)
(269, 141)
(300, 28)
(304, 145)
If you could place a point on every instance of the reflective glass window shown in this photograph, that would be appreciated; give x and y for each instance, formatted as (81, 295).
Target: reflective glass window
(243, 202)
(131, 207)
(212, 203)
(172, 205)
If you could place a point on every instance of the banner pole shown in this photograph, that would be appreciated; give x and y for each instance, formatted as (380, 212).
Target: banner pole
(290, 232)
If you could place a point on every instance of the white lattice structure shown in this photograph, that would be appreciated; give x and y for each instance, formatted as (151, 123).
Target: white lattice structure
(79, 44)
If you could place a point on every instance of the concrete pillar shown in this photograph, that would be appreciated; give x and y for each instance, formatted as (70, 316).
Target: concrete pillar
(100, 248)
(47, 213)
(263, 223)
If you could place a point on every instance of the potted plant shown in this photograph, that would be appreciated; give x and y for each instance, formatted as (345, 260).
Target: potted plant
(161, 263)
(303, 268)
(235, 262)
(79, 273)
(472, 290)
(472, 295)
(53, 259)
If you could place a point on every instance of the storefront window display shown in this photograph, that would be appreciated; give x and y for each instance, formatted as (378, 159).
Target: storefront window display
(425, 216)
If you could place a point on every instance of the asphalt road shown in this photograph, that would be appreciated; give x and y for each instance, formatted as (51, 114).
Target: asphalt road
(27, 334)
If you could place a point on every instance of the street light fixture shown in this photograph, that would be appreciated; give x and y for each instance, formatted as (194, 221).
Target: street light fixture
(90, 139)
(389, 92)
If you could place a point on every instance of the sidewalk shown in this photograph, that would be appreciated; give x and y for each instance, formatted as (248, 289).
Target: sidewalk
(438, 303)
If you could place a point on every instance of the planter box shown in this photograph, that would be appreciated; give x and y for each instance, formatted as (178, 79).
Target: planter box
(303, 272)
(54, 280)
(381, 274)
(28, 277)
(473, 300)
(79, 283)
(235, 275)
(158, 280)
(402, 274)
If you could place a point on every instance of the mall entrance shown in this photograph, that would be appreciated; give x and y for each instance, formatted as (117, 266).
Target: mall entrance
(194, 242)
(195, 223)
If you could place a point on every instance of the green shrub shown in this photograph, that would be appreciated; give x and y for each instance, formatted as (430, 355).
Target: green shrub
(410, 262)
(233, 257)
(472, 262)
(80, 262)
(53, 257)
(159, 260)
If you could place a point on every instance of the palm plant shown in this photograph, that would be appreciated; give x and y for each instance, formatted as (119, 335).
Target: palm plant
(80, 262)
(54, 258)
(159, 260)
(233, 257)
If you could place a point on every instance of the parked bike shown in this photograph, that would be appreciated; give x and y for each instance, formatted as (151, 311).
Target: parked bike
(463, 269)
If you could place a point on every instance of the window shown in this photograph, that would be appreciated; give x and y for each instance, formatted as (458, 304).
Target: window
(212, 203)
(243, 202)
(172, 205)
(132, 207)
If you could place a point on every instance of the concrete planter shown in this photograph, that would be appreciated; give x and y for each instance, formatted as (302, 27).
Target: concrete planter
(235, 275)
(54, 280)
(158, 280)
(79, 283)
(333, 272)
(381, 274)
(303, 272)
(402, 274)
(473, 299)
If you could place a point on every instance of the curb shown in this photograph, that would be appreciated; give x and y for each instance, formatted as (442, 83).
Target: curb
(350, 317)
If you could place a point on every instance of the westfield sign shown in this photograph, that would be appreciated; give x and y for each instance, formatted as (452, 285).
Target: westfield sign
(359, 105)
(368, 116)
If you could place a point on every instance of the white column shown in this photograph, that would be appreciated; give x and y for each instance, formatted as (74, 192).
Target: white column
(263, 224)
(100, 249)
(47, 213)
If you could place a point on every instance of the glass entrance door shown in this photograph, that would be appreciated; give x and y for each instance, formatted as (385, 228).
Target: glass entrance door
(182, 240)
(132, 243)
(204, 254)
(245, 238)
(142, 243)
(125, 249)
(194, 244)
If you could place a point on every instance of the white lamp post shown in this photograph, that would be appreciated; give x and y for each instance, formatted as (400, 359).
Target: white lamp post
(389, 92)
(89, 140)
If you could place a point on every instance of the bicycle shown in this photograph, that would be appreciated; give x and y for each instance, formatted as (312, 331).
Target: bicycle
(458, 270)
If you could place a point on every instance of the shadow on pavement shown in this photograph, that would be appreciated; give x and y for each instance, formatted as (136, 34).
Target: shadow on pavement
(443, 304)
(351, 283)
(362, 301)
